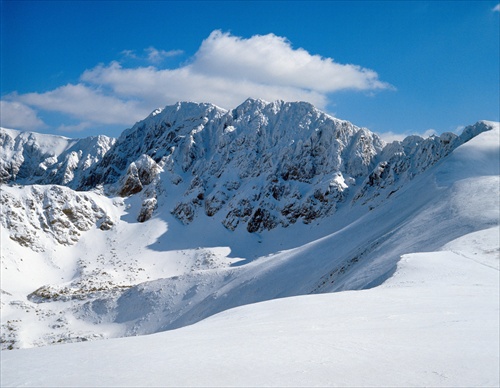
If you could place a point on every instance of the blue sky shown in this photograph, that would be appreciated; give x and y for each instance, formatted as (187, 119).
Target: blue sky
(397, 67)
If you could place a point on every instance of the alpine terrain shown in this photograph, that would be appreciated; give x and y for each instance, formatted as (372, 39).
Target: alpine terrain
(285, 246)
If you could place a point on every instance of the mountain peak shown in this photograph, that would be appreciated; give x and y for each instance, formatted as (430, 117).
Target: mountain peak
(261, 165)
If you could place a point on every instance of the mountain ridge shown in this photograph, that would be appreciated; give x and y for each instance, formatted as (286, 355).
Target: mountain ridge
(292, 161)
(160, 239)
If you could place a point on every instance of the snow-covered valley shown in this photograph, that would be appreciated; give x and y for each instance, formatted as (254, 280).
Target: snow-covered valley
(301, 249)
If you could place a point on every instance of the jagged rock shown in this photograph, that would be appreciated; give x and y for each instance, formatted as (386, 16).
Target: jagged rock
(257, 166)
(56, 211)
(147, 208)
(32, 158)
(215, 202)
(139, 174)
(131, 182)
(184, 212)
(240, 212)
(402, 161)
(105, 223)
(261, 219)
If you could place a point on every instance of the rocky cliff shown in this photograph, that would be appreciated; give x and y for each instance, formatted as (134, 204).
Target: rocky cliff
(259, 166)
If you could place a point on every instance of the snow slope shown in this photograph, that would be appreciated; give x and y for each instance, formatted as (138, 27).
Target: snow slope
(141, 278)
(433, 323)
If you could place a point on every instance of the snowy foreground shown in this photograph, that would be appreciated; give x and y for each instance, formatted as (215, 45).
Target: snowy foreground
(433, 323)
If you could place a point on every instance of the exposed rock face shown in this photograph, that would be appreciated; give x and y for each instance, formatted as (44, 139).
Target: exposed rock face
(166, 135)
(402, 161)
(49, 211)
(32, 158)
(140, 173)
(259, 166)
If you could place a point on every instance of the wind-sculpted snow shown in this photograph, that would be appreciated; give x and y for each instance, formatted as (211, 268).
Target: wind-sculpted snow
(434, 323)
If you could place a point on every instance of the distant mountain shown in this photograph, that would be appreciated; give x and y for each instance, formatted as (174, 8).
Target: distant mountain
(196, 209)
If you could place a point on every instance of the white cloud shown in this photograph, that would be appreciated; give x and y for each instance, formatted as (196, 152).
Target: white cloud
(156, 56)
(429, 133)
(390, 136)
(152, 55)
(271, 60)
(226, 70)
(16, 115)
(160, 87)
(496, 8)
(86, 103)
(129, 54)
(74, 128)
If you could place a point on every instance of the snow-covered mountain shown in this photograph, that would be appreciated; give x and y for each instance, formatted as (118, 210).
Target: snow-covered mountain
(33, 158)
(196, 210)
(259, 166)
(434, 323)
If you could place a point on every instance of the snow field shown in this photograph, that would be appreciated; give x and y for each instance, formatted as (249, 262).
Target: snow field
(433, 323)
